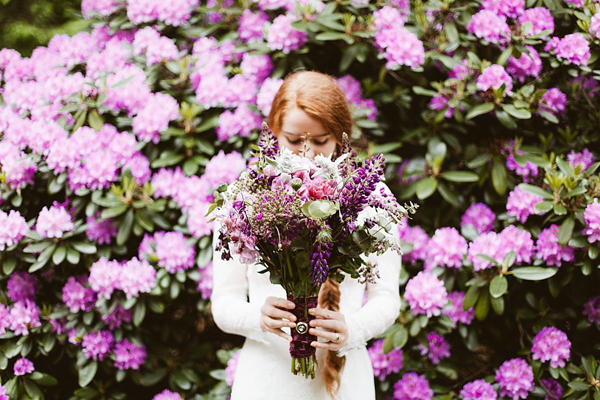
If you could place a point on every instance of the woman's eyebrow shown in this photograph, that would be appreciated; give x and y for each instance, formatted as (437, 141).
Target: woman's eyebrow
(303, 134)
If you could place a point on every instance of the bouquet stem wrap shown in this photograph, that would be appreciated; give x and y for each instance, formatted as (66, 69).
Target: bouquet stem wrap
(303, 354)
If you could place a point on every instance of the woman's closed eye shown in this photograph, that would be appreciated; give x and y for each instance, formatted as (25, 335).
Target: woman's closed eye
(316, 142)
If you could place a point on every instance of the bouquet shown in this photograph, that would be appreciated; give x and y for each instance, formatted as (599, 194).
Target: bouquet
(305, 221)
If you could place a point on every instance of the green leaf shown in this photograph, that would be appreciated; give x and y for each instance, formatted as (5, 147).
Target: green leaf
(36, 247)
(498, 286)
(114, 211)
(505, 119)
(451, 32)
(32, 389)
(87, 373)
(181, 380)
(95, 120)
(548, 116)
(325, 36)
(167, 159)
(543, 207)
(538, 191)
(483, 305)
(479, 110)
(448, 195)
(499, 177)
(471, 297)
(497, 305)
(153, 377)
(400, 338)
(142, 218)
(426, 187)
(47, 253)
(503, 59)
(43, 379)
(9, 265)
(460, 176)
(592, 168)
(59, 255)
(566, 231)
(534, 273)
(139, 312)
(559, 209)
(478, 161)
(125, 228)
(518, 113)
(85, 248)
(424, 92)
(579, 385)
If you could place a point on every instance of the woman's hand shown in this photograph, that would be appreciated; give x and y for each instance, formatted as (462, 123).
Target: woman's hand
(274, 316)
(333, 329)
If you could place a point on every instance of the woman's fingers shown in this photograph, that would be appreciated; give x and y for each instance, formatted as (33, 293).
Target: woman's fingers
(273, 308)
(331, 324)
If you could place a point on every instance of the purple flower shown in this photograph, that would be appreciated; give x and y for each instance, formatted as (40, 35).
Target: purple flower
(351, 88)
(515, 377)
(595, 26)
(551, 344)
(97, 345)
(77, 296)
(591, 216)
(591, 309)
(574, 48)
(136, 277)
(412, 387)
(521, 204)
(154, 118)
(540, 17)
(526, 65)
(437, 348)
(100, 230)
(116, 318)
(197, 222)
(400, 47)
(53, 222)
(518, 240)
(388, 16)
(18, 167)
(194, 189)
(505, 8)
(487, 244)
(266, 94)
(480, 216)
(129, 355)
(157, 48)
(385, 364)
(446, 248)
(251, 26)
(553, 389)
(4, 319)
(224, 168)
(549, 250)
(173, 252)
(166, 182)
(493, 77)
(3, 395)
(526, 171)
(240, 122)
(455, 310)
(282, 36)
(231, 367)
(139, 166)
(205, 285)
(478, 389)
(575, 3)
(418, 238)
(489, 26)
(554, 101)
(97, 7)
(22, 286)
(104, 277)
(24, 316)
(13, 228)
(175, 13)
(426, 294)
(167, 395)
(23, 366)
(257, 67)
(585, 159)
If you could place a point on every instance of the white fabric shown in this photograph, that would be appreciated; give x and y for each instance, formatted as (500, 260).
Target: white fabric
(263, 368)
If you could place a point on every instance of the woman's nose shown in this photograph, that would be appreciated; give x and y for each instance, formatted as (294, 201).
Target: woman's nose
(309, 152)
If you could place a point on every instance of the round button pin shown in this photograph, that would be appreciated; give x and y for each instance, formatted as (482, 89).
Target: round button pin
(301, 328)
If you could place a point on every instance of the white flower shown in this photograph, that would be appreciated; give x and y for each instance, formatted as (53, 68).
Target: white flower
(328, 168)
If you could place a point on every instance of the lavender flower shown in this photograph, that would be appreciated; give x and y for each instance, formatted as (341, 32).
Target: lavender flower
(129, 355)
(116, 318)
(515, 377)
(526, 65)
(100, 230)
(478, 389)
(23, 366)
(554, 101)
(97, 345)
(585, 159)
(493, 77)
(231, 367)
(282, 36)
(13, 228)
(78, 297)
(591, 309)
(412, 387)
(553, 389)
(553, 345)
(541, 19)
(173, 252)
(591, 216)
(53, 222)
(446, 248)
(489, 26)
(385, 364)
(574, 48)
(426, 294)
(549, 250)
(22, 286)
(437, 348)
(480, 216)
(455, 310)
(521, 204)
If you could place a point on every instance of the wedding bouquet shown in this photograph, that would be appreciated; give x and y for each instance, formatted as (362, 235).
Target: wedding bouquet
(307, 220)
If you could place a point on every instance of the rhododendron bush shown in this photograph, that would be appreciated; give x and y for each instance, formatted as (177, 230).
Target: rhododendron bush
(113, 141)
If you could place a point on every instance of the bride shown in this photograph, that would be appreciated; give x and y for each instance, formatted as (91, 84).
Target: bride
(309, 114)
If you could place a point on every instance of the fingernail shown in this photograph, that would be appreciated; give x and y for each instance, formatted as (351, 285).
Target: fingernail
(292, 325)
(293, 318)
(311, 310)
(312, 323)
(291, 305)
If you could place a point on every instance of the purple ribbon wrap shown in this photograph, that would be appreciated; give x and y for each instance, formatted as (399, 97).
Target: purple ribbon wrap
(300, 346)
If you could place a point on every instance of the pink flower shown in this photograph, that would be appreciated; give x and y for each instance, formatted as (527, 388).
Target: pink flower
(23, 366)
(521, 204)
(493, 77)
(97, 345)
(515, 378)
(104, 277)
(266, 94)
(456, 312)
(224, 168)
(13, 228)
(549, 250)
(154, 118)
(205, 285)
(77, 296)
(197, 222)
(252, 25)
(480, 216)
(551, 344)
(173, 252)
(591, 215)
(240, 122)
(418, 238)
(385, 364)
(526, 65)
(446, 248)
(426, 294)
(574, 48)
(24, 316)
(487, 244)
(129, 355)
(53, 222)
(540, 17)
(437, 349)
(489, 26)
(136, 277)
(100, 230)
(282, 36)
(231, 367)
(506, 8)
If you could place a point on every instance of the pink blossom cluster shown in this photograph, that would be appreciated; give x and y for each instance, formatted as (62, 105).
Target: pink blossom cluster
(266, 94)
(480, 216)
(527, 171)
(541, 18)
(573, 48)
(224, 168)
(426, 294)
(231, 368)
(419, 239)
(240, 122)
(498, 245)
(549, 250)
(155, 47)
(505, 8)
(132, 277)
(205, 284)
(22, 286)
(515, 378)
(3, 394)
(351, 88)
(553, 389)
(585, 159)
(455, 309)
(23, 366)
(591, 215)
(13, 228)
(115, 318)
(100, 230)
(551, 344)
(282, 36)
(173, 12)
(53, 222)
(521, 204)
(21, 317)
(446, 248)
(17, 167)
(252, 25)
(398, 45)
(437, 348)
(529, 64)
(412, 386)
(257, 67)
(169, 249)
(591, 309)
(197, 222)
(478, 390)
(487, 25)
(129, 355)
(385, 364)
(167, 395)
(97, 345)
(439, 102)
(554, 101)
(90, 8)
(493, 77)
(155, 116)
(595, 26)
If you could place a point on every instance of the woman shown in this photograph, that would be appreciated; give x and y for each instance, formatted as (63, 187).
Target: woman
(308, 115)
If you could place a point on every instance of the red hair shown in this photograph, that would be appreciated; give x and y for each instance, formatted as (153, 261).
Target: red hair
(317, 95)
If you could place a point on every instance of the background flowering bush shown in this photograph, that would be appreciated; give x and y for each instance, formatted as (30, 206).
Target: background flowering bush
(113, 141)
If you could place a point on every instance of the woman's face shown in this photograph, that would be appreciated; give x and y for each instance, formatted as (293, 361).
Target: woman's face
(302, 133)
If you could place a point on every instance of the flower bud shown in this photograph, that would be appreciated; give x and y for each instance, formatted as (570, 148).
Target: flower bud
(296, 183)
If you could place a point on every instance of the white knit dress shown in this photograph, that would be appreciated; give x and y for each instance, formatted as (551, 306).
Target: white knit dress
(263, 368)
